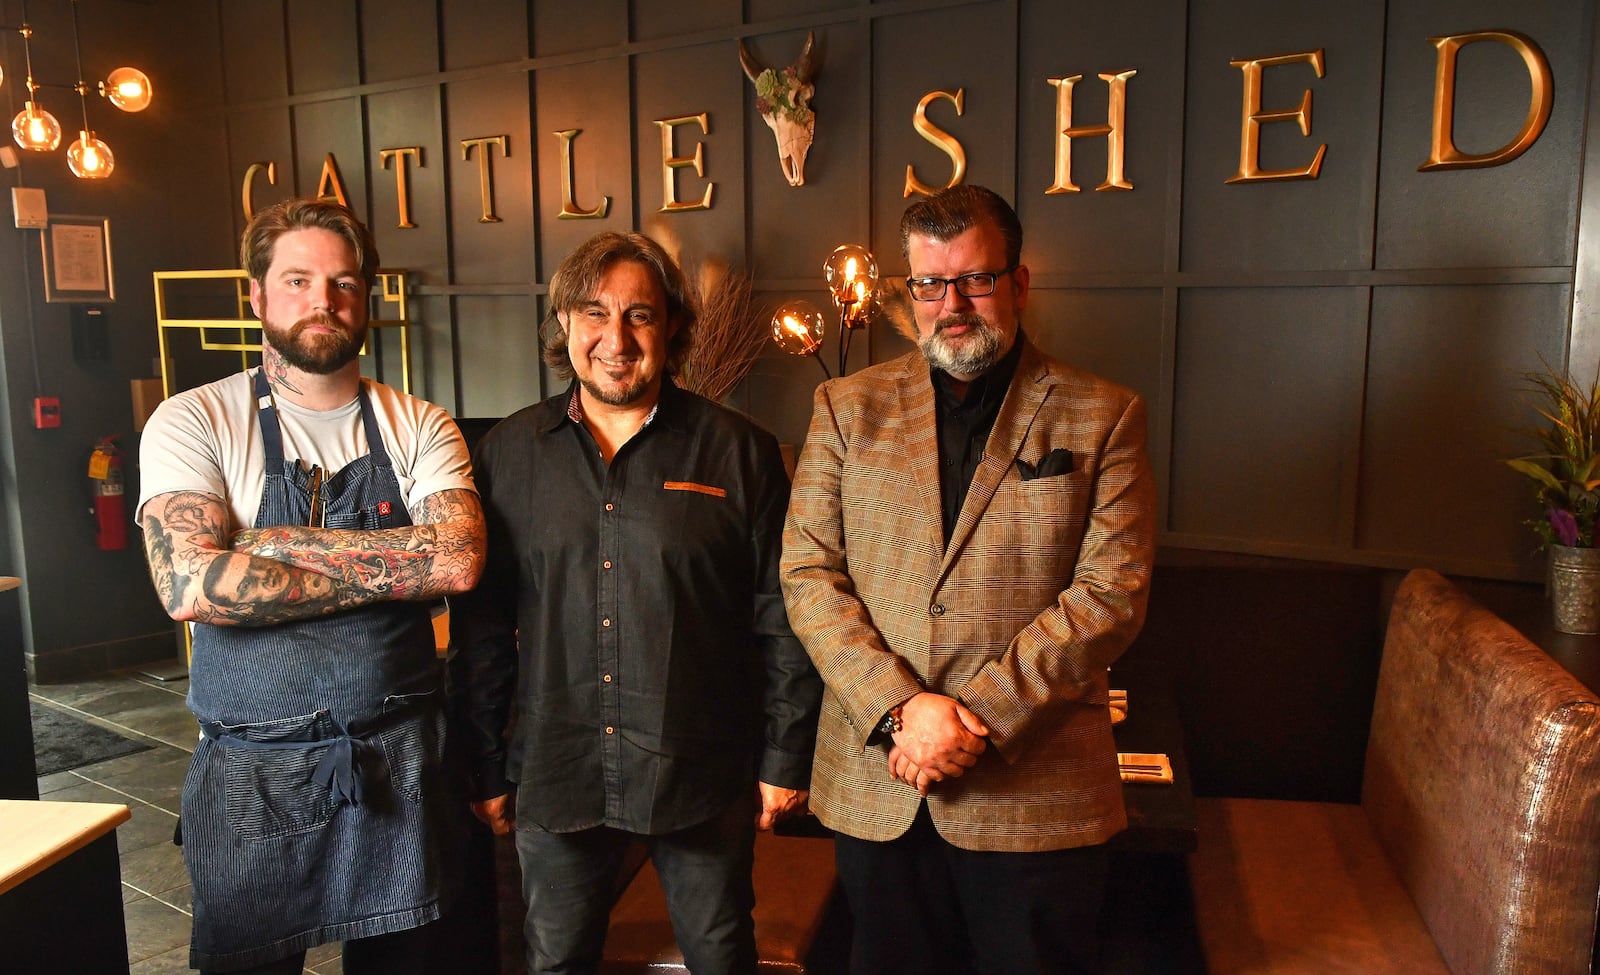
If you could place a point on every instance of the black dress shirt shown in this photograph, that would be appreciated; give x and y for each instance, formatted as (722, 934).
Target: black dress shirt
(657, 675)
(965, 423)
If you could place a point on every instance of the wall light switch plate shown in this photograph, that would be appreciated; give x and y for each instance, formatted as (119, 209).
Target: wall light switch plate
(28, 205)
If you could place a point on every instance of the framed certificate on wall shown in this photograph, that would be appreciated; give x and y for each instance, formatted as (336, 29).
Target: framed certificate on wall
(77, 259)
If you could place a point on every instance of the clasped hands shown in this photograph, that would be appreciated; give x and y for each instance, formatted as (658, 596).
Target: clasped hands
(939, 739)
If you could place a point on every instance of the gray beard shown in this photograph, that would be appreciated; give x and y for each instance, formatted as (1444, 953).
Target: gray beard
(615, 397)
(979, 350)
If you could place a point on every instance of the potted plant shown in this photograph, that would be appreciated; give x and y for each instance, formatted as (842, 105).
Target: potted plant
(1566, 474)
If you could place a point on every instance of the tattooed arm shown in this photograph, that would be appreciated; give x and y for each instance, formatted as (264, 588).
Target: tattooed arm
(441, 556)
(199, 579)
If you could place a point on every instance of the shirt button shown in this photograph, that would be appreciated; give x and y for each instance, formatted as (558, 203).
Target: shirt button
(606, 678)
(610, 730)
(606, 621)
(608, 506)
(937, 609)
(606, 563)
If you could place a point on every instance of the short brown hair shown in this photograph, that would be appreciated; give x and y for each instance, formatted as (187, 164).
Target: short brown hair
(575, 281)
(951, 212)
(260, 238)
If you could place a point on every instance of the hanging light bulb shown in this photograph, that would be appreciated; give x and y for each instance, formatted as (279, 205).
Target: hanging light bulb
(797, 327)
(128, 89)
(36, 129)
(89, 158)
(851, 273)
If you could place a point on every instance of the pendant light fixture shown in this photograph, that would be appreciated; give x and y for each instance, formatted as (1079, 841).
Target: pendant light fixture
(37, 130)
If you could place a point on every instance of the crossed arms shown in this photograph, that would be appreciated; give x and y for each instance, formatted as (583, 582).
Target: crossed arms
(266, 576)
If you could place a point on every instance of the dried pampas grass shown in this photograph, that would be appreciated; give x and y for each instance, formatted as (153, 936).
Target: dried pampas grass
(729, 334)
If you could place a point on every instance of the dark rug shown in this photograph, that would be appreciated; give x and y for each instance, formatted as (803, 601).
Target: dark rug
(62, 742)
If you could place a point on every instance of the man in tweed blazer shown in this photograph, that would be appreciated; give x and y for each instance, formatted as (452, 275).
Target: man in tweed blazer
(968, 549)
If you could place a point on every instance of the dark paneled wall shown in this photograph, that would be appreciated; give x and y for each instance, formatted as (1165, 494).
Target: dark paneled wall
(1330, 363)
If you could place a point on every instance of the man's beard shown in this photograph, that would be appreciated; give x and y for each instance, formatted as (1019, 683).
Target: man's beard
(319, 354)
(616, 395)
(972, 354)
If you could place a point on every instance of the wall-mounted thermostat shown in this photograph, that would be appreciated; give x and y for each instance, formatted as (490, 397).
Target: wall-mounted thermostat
(27, 202)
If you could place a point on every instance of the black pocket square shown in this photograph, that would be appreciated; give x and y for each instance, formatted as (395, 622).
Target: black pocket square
(1057, 461)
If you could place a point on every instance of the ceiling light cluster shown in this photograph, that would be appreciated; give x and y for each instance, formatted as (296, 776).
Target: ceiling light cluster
(37, 130)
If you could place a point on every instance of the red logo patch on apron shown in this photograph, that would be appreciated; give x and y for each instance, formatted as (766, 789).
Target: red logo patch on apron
(383, 507)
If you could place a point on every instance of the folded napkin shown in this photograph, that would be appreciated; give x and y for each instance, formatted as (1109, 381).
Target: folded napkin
(1145, 767)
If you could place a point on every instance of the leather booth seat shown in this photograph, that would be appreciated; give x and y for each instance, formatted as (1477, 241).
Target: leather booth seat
(1476, 846)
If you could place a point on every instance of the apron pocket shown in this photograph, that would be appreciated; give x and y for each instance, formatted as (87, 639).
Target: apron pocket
(411, 746)
(272, 793)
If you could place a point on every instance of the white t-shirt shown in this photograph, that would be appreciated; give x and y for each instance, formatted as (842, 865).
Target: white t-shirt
(208, 439)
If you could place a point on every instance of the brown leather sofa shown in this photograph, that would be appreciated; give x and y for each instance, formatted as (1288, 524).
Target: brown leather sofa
(1476, 845)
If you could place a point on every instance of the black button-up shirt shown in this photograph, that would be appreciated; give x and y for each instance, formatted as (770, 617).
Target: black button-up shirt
(965, 423)
(632, 611)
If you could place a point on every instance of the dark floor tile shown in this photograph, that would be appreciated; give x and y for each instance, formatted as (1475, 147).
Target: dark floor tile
(148, 826)
(179, 897)
(174, 962)
(56, 781)
(322, 955)
(153, 928)
(158, 780)
(154, 869)
(86, 791)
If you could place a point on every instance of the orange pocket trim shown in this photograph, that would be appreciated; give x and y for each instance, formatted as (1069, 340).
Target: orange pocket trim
(715, 492)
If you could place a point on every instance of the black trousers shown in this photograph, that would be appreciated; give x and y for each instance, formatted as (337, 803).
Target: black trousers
(919, 904)
(399, 953)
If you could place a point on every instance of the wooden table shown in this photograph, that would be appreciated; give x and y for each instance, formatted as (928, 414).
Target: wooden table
(1161, 818)
(61, 887)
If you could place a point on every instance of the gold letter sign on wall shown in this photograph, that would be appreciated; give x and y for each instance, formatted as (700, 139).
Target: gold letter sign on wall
(940, 138)
(330, 180)
(402, 179)
(669, 162)
(569, 206)
(271, 169)
(1116, 115)
(485, 171)
(1444, 154)
(1250, 170)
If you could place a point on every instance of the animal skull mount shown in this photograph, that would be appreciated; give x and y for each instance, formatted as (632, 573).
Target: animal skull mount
(784, 99)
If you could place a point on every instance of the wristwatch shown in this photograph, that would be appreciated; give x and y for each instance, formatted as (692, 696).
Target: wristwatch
(891, 723)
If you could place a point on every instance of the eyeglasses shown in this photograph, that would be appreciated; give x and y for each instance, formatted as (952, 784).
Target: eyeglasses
(974, 285)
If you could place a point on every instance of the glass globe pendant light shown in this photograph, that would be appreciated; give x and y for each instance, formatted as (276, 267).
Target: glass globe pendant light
(90, 158)
(35, 129)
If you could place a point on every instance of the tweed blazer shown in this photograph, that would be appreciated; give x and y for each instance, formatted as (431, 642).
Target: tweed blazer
(1042, 585)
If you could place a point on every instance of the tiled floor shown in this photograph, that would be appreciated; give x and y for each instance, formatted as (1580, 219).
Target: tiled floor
(155, 886)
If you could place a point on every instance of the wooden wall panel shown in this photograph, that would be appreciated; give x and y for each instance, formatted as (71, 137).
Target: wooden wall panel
(941, 50)
(399, 39)
(482, 33)
(1442, 408)
(497, 347)
(787, 241)
(662, 19)
(324, 48)
(1268, 384)
(502, 252)
(1114, 231)
(568, 28)
(676, 84)
(592, 97)
(336, 127)
(1294, 224)
(1438, 219)
(256, 65)
(1111, 333)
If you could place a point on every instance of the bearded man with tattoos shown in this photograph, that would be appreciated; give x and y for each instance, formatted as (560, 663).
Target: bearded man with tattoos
(301, 518)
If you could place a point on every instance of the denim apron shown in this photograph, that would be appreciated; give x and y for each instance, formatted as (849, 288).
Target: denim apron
(315, 808)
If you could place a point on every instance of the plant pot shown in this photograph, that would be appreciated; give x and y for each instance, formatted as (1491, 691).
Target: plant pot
(1575, 589)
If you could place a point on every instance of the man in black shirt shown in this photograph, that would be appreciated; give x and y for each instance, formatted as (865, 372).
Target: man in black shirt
(631, 608)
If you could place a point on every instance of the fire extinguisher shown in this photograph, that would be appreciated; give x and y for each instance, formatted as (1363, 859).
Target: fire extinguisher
(110, 504)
